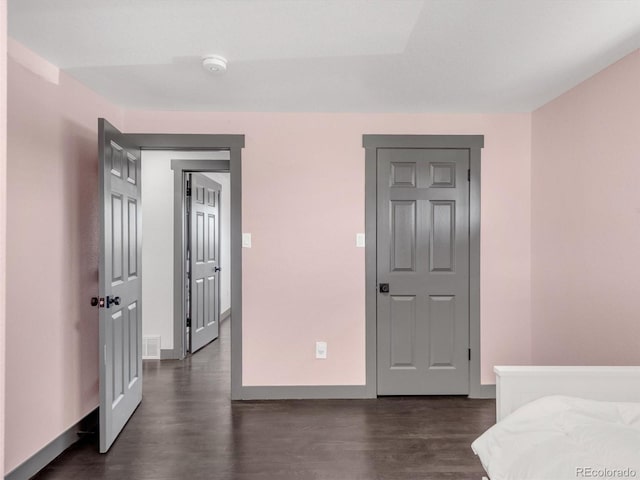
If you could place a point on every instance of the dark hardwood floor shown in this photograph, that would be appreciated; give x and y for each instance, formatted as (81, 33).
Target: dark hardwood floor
(187, 428)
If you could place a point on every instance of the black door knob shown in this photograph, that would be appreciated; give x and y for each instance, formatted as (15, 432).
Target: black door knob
(216, 269)
(384, 288)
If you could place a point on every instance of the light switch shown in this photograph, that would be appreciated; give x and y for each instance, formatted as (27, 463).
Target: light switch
(246, 240)
(360, 240)
(321, 350)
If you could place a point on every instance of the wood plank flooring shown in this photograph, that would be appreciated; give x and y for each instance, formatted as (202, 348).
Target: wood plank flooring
(187, 428)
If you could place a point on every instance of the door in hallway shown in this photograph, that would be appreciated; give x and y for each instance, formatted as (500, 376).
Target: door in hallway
(204, 260)
(422, 271)
(120, 331)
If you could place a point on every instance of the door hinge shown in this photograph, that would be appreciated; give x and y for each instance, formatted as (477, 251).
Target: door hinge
(188, 191)
(188, 322)
(468, 174)
(469, 350)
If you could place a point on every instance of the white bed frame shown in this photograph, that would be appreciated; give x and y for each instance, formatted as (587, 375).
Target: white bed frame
(518, 385)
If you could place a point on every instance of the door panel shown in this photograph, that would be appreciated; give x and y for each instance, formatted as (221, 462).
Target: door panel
(116, 239)
(442, 331)
(132, 236)
(211, 238)
(204, 220)
(442, 236)
(120, 279)
(403, 331)
(423, 254)
(135, 339)
(200, 237)
(199, 305)
(403, 235)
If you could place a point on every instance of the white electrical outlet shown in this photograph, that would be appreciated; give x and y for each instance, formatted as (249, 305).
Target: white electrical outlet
(321, 349)
(360, 240)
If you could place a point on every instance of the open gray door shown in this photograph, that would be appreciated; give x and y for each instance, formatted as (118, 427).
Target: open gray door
(423, 271)
(204, 260)
(120, 282)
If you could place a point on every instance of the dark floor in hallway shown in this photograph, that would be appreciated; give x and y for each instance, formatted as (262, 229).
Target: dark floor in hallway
(187, 428)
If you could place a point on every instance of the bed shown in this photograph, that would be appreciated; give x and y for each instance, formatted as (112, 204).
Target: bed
(557, 423)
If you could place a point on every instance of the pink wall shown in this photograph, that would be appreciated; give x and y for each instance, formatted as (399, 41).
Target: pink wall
(303, 201)
(3, 212)
(586, 222)
(303, 187)
(52, 370)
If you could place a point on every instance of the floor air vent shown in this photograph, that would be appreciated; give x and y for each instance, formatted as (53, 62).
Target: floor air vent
(151, 347)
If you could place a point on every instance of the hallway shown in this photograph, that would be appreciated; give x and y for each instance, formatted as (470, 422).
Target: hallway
(187, 428)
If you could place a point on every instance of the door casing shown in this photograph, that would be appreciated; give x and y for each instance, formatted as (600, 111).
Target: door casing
(206, 142)
(474, 143)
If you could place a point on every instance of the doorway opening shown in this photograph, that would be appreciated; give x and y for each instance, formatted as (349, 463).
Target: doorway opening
(187, 255)
(120, 266)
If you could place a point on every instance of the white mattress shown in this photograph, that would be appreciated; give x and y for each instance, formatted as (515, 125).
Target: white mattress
(557, 438)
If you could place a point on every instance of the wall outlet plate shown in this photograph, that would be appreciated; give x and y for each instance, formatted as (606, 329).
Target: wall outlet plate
(321, 350)
(246, 240)
(360, 240)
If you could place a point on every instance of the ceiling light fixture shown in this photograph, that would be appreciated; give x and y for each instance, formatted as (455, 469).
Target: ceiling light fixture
(214, 64)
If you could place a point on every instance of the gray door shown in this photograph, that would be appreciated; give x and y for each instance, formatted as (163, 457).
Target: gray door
(423, 256)
(204, 260)
(120, 281)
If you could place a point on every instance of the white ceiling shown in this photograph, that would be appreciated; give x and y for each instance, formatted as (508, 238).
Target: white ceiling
(330, 55)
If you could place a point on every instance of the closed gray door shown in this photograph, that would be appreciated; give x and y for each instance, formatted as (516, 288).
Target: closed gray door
(204, 260)
(423, 256)
(120, 281)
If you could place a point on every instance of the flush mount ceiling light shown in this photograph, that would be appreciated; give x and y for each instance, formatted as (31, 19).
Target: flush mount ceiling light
(214, 64)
